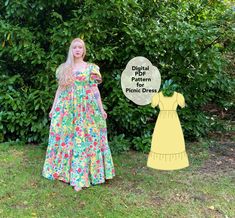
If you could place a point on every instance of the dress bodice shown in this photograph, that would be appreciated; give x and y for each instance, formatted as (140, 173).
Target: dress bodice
(82, 77)
(168, 103)
(90, 76)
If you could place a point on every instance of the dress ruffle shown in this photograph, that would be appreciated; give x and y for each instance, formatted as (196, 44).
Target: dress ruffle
(167, 161)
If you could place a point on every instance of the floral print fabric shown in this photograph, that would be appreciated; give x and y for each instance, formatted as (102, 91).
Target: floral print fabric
(78, 152)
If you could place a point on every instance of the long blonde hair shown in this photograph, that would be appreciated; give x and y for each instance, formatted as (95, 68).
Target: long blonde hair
(64, 71)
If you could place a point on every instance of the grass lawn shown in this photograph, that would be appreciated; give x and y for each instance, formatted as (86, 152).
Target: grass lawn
(205, 189)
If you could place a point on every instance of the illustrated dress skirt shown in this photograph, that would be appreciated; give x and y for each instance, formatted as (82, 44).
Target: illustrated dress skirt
(78, 152)
(168, 146)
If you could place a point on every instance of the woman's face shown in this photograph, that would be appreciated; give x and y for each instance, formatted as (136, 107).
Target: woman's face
(77, 49)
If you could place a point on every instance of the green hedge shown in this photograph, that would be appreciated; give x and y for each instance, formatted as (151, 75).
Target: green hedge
(188, 41)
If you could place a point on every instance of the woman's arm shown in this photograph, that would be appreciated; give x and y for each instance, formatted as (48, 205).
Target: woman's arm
(96, 92)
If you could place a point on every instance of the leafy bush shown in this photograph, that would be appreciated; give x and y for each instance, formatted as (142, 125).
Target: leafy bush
(119, 144)
(187, 41)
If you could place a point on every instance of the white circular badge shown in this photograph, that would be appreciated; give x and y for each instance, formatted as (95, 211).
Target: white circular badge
(140, 80)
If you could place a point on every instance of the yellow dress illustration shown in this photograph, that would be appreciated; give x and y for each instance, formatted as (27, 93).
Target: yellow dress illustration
(168, 146)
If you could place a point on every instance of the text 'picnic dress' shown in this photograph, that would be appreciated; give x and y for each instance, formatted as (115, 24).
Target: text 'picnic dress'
(78, 152)
(168, 145)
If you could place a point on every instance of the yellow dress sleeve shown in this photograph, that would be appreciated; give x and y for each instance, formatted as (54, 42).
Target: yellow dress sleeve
(155, 100)
(180, 100)
(95, 75)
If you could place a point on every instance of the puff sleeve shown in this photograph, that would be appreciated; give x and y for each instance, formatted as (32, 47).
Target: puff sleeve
(155, 100)
(95, 76)
(180, 100)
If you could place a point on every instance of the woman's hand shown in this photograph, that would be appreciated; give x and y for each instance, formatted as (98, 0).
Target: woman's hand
(50, 114)
(104, 114)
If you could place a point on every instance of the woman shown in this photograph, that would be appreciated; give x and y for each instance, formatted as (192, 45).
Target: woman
(78, 152)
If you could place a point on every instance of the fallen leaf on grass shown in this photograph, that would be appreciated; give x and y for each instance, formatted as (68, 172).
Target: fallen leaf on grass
(51, 194)
(211, 207)
(83, 203)
(34, 184)
(34, 214)
(100, 215)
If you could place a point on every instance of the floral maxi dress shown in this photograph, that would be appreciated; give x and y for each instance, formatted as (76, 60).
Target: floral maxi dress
(78, 152)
